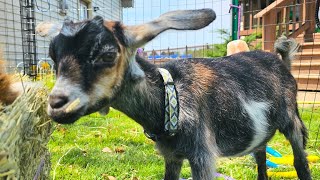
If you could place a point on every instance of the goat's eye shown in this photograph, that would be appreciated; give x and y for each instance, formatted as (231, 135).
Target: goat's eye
(109, 56)
(105, 58)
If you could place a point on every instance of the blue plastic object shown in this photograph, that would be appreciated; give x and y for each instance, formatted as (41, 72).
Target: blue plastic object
(174, 56)
(273, 152)
(271, 164)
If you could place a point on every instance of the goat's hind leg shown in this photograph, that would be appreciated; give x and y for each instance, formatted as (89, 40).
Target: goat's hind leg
(260, 156)
(296, 133)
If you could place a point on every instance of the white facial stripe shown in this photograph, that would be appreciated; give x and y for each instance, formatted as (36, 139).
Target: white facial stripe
(257, 112)
(73, 91)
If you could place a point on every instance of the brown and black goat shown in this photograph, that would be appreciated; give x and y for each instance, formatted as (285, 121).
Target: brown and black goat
(228, 106)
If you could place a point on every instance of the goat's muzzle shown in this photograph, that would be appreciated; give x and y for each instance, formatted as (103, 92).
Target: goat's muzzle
(64, 109)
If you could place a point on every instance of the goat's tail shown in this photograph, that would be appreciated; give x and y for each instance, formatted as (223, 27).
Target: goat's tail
(287, 48)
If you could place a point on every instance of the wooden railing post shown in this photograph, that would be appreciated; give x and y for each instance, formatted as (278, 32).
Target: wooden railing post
(310, 6)
(269, 30)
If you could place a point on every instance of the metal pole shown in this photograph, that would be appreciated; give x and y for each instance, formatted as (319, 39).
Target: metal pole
(235, 20)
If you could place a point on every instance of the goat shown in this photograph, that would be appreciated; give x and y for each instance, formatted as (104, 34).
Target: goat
(228, 106)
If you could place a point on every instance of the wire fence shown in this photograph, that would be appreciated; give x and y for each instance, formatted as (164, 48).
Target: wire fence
(261, 23)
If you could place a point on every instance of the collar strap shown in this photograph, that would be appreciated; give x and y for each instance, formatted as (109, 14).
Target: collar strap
(171, 103)
(171, 108)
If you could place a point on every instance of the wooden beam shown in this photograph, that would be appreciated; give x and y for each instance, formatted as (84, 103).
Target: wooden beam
(272, 6)
(269, 30)
(300, 30)
(249, 31)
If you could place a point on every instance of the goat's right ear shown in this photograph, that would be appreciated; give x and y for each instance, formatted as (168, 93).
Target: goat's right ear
(180, 20)
(50, 29)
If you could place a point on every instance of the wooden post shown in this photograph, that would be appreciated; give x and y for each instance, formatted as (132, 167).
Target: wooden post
(311, 7)
(258, 20)
(153, 54)
(294, 18)
(301, 11)
(280, 21)
(186, 49)
(287, 19)
(269, 31)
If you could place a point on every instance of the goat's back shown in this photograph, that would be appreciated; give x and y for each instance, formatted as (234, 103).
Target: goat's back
(241, 98)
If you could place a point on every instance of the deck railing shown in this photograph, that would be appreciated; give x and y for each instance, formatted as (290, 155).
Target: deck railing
(281, 17)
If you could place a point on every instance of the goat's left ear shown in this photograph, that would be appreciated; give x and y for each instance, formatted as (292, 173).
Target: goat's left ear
(50, 29)
(180, 20)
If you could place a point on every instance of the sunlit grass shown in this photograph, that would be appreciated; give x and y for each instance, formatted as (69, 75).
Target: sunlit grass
(77, 151)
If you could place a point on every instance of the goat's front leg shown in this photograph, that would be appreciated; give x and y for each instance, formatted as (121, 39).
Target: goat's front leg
(202, 167)
(260, 156)
(173, 168)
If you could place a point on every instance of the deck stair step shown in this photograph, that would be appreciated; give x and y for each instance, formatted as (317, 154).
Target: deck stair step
(306, 66)
(310, 46)
(308, 82)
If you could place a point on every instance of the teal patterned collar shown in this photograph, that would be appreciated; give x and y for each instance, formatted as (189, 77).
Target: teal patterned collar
(171, 106)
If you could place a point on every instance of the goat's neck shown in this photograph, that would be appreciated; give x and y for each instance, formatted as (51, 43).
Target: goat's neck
(143, 99)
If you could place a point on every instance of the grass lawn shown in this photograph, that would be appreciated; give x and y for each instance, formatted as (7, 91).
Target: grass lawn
(96, 147)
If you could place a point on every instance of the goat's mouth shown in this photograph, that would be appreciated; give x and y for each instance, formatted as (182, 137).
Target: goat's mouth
(66, 115)
(74, 110)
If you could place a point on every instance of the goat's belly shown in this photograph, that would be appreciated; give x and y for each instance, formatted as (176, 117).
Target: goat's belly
(242, 145)
(248, 131)
(232, 145)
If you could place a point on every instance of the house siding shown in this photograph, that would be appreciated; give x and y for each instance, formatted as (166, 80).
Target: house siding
(10, 24)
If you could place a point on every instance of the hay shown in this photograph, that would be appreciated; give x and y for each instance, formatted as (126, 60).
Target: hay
(25, 130)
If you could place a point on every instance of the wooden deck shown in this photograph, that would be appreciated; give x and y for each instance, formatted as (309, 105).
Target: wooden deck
(306, 66)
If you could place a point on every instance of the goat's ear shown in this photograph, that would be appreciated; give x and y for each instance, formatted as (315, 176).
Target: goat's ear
(50, 29)
(70, 28)
(179, 20)
(67, 28)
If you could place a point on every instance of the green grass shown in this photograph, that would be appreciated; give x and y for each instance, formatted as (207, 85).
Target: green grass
(76, 150)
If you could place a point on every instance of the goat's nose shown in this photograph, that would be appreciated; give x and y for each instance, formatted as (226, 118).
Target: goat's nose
(57, 100)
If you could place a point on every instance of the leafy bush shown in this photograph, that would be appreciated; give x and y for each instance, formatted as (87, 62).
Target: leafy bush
(219, 50)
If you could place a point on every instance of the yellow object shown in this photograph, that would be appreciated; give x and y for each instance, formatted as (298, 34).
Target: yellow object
(288, 160)
(73, 105)
(288, 174)
(45, 65)
(308, 102)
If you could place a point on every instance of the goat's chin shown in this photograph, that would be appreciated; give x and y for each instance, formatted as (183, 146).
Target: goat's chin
(63, 116)
(66, 118)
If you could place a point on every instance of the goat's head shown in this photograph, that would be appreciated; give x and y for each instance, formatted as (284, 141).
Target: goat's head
(93, 56)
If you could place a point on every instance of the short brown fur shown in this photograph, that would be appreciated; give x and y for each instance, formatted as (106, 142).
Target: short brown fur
(109, 24)
(202, 78)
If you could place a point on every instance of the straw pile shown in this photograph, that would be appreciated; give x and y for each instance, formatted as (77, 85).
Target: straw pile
(24, 133)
